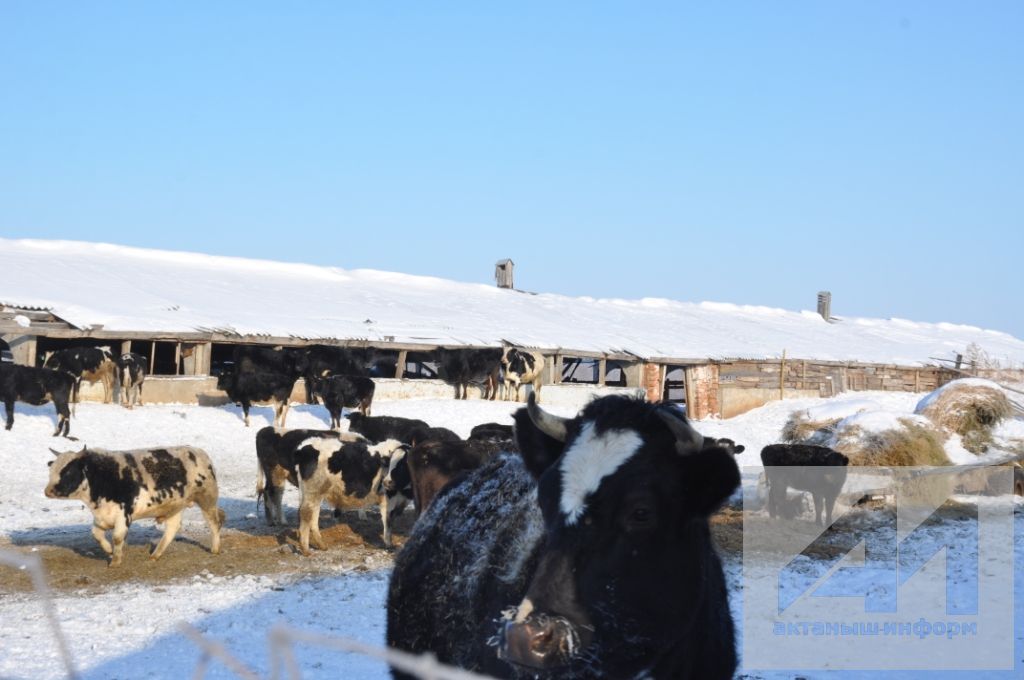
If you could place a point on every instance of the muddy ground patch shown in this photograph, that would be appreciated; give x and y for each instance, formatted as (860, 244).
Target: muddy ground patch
(74, 561)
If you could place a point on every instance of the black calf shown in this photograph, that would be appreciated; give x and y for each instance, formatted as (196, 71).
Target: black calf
(817, 469)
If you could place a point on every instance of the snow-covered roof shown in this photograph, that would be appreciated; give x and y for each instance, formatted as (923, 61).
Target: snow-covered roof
(134, 289)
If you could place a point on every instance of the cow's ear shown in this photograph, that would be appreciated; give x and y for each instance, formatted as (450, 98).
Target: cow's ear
(540, 436)
(709, 477)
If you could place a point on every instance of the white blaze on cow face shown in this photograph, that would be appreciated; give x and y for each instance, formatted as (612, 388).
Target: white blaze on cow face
(590, 459)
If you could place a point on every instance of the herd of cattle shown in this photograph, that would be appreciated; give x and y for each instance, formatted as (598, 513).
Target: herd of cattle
(336, 376)
(568, 547)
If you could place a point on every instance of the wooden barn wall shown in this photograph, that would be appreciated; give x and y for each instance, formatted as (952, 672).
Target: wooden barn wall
(764, 381)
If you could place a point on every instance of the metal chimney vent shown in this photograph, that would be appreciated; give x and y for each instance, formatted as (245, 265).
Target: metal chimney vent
(825, 304)
(503, 273)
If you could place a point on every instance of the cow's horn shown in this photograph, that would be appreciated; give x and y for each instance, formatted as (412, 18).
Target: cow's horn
(551, 425)
(55, 452)
(684, 434)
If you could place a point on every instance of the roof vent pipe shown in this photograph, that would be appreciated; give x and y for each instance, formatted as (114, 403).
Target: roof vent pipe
(503, 273)
(825, 305)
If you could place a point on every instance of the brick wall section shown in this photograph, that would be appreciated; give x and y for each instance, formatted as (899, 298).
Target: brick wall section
(703, 391)
(651, 381)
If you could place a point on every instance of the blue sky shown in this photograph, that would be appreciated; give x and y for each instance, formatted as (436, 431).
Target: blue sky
(745, 152)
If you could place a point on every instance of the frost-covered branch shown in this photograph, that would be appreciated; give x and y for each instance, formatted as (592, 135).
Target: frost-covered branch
(34, 566)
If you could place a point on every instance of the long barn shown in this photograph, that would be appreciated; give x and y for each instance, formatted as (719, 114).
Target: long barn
(186, 312)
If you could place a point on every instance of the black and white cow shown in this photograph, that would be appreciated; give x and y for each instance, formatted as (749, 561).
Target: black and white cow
(806, 467)
(346, 391)
(521, 367)
(122, 486)
(379, 428)
(37, 386)
(132, 373)
(245, 388)
(592, 546)
(461, 367)
(92, 364)
(275, 455)
(278, 453)
(347, 474)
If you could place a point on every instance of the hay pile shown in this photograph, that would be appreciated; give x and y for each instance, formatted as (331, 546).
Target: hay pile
(970, 407)
(872, 438)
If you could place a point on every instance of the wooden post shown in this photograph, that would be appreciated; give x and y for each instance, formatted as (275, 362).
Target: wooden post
(782, 377)
(205, 358)
(556, 370)
(917, 381)
(152, 355)
(803, 374)
(126, 346)
(689, 394)
(602, 367)
(177, 357)
(403, 356)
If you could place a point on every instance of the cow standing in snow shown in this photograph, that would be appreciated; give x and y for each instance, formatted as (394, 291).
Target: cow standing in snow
(37, 386)
(347, 474)
(521, 367)
(591, 549)
(132, 370)
(245, 388)
(346, 391)
(463, 366)
(281, 453)
(122, 486)
(817, 469)
(275, 452)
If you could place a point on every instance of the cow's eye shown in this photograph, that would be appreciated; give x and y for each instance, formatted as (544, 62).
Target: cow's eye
(49, 464)
(640, 517)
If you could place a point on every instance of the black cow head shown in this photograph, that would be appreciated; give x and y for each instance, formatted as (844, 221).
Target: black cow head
(625, 489)
(67, 474)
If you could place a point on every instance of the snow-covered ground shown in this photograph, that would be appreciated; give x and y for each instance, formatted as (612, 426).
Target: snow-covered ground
(129, 630)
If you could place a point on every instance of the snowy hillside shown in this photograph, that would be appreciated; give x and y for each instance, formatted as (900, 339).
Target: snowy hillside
(132, 289)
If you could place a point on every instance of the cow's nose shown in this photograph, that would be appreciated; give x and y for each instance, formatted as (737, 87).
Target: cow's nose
(540, 642)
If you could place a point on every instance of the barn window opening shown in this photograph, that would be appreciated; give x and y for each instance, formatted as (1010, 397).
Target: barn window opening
(222, 358)
(675, 385)
(580, 370)
(420, 366)
(164, 357)
(615, 374)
